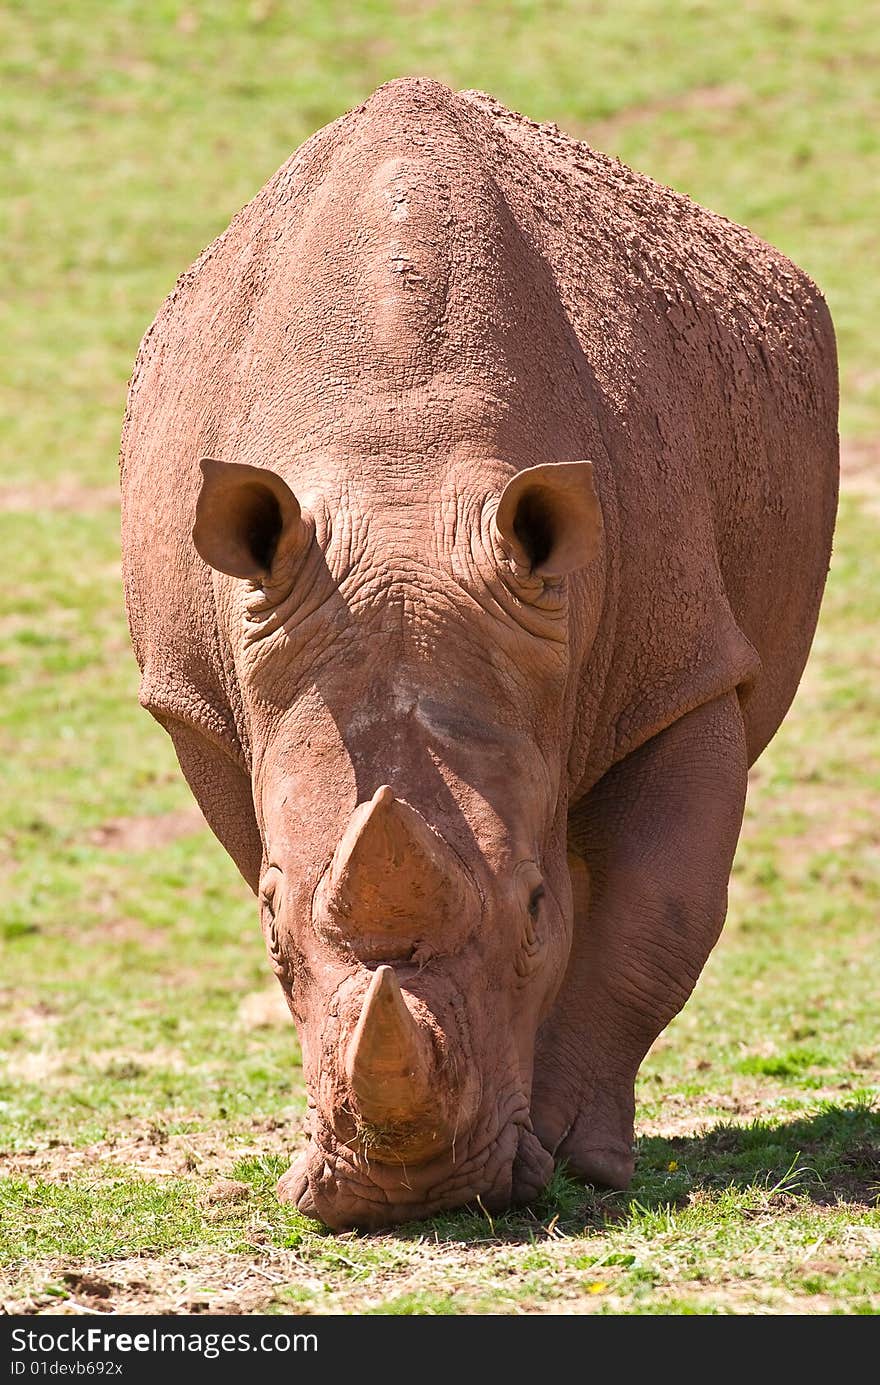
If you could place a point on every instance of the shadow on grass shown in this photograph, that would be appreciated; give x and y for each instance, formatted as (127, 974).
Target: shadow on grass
(828, 1158)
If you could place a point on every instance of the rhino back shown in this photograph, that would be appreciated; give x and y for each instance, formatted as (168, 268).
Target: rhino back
(539, 302)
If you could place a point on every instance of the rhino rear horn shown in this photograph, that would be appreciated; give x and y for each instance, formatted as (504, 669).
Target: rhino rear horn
(245, 515)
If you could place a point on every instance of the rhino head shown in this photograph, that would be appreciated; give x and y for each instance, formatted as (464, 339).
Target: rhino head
(406, 670)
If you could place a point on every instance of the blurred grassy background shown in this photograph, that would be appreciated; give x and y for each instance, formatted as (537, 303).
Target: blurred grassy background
(131, 955)
(132, 132)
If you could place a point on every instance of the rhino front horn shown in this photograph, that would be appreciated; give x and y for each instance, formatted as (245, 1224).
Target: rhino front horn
(390, 1063)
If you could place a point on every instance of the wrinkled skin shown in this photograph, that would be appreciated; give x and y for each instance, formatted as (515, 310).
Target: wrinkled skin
(477, 504)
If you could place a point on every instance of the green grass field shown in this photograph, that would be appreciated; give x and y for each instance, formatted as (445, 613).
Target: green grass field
(150, 1092)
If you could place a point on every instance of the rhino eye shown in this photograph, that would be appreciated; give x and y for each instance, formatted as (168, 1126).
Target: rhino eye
(535, 900)
(269, 897)
(269, 892)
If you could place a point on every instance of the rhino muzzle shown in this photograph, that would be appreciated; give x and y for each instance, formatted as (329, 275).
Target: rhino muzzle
(400, 1126)
(394, 1081)
(406, 1116)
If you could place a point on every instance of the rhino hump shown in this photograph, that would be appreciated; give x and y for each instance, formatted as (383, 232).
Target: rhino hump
(535, 295)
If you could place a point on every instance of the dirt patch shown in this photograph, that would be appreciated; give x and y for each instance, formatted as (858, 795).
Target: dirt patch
(859, 457)
(838, 817)
(123, 1064)
(61, 493)
(148, 1149)
(37, 1021)
(749, 1101)
(42, 1058)
(207, 1282)
(860, 471)
(129, 930)
(35, 1067)
(227, 1190)
(265, 1009)
(694, 1116)
(147, 833)
(722, 98)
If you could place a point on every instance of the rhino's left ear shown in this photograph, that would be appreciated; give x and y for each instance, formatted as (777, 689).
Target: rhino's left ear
(244, 516)
(549, 518)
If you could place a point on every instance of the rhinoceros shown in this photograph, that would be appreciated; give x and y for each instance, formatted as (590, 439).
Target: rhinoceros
(478, 496)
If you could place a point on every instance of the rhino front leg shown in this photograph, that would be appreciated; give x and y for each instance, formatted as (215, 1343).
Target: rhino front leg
(652, 846)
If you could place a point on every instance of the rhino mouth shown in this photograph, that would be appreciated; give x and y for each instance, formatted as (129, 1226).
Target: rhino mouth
(503, 1164)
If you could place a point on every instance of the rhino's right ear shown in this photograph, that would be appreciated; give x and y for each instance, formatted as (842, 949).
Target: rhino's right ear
(243, 517)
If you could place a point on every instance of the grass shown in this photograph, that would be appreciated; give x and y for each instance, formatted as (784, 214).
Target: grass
(141, 1064)
(770, 1216)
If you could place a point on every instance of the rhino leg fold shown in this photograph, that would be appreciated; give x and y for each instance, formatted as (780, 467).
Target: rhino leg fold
(653, 845)
(223, 792)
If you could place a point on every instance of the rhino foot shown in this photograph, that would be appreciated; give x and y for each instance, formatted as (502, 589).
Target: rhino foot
(293, 1185)
(593, 1136)
(607, 1165)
